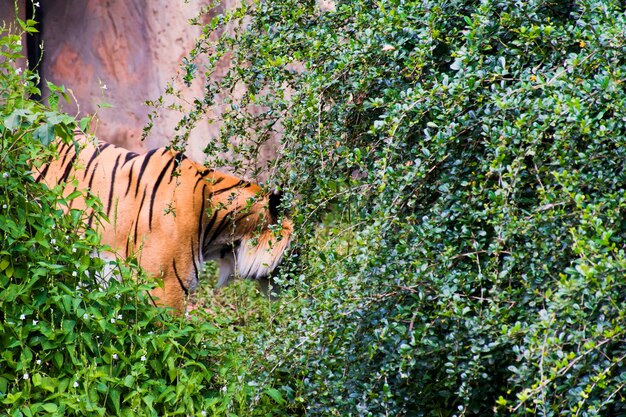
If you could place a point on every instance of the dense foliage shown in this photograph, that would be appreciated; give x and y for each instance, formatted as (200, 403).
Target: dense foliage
(69, 346)
(458, 173)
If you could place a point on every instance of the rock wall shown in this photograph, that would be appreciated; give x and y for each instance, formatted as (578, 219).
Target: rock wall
(123, 53)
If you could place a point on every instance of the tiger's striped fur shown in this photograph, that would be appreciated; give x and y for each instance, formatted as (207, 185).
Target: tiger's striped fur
(173, 214)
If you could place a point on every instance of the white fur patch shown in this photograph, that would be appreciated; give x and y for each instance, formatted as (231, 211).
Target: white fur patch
(257, 261)
(227, 269)
(109, 271)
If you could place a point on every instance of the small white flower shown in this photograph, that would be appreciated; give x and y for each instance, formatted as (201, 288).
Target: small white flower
(115, 356)
(19, 42)
(112, 320)
(5, 175)
(67, 237)
(38, 361)
(74, 273)
(118, 296)
(4, 206)
(36, 4)
(73, 250)
(18, 71)
(23, 317)
(203, 413)
(53, 241)
(75, 384)
(35, 322)
(104, 86)
(85, 316)
(143, 358)
(26, 376)
(119, 317)
(54, 226)
(56, 248)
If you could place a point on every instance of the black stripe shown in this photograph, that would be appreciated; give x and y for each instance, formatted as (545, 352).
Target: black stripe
(193, 261)
(155, 189)
(94, 155)
(103, 145)
(130, 178)
(223, 190)
(129, 156)
(111, 188)
(201, 179)
(202, 214)
(204, 172)
(178, 159)
(206, 232)
(62, 146)
(42, 174)
(66, 154)
(72, 202)
(198, 182)
(128, 242)
(139, 212)
(240, 218)
(220, 228)
(92, 175)
(68, 168)
(62, 149)
(91, 216)
(143, 169)
(180, 281)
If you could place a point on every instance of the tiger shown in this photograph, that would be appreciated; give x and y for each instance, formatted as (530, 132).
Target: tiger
(172, 214)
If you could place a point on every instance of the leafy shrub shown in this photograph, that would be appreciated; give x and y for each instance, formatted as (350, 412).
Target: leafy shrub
(459, 176)
(69, 347)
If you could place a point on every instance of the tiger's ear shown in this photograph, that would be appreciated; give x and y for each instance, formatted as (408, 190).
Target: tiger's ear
(274, 200)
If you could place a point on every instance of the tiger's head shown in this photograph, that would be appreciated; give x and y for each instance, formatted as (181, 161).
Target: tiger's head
(258, 237)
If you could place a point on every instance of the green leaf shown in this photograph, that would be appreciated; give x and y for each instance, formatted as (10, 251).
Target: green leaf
(275, 395)
(114, 398)
(50, 407)
(4, 263)
(45, 134)
(84, 123)
(12, 121)
(128, 381)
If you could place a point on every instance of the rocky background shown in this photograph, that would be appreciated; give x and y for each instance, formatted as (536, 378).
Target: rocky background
(124, 53)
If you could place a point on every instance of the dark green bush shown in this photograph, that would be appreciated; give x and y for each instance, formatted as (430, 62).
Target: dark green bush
(458, 169)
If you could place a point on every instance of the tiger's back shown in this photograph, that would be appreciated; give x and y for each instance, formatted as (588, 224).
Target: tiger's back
(172, 214)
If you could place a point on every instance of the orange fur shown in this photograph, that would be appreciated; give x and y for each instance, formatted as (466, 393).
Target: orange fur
(173, 223)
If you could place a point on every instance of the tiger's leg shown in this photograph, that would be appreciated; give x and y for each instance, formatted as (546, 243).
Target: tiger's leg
(179, 278)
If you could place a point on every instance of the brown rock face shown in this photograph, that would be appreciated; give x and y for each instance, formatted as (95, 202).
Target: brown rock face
(123, 53)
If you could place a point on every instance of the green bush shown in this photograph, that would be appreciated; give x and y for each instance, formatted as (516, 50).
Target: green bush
(68, 346)
(458, 172)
